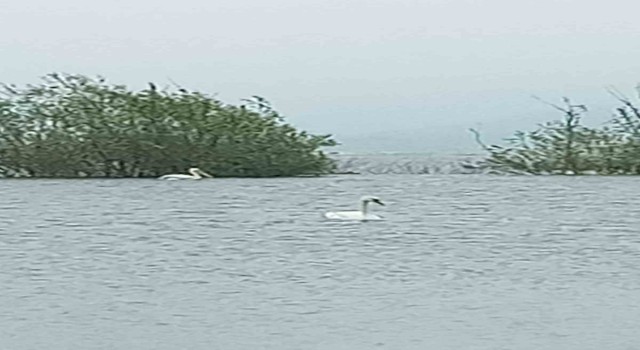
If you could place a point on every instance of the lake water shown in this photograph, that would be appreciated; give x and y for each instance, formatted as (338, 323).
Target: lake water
(460, 262)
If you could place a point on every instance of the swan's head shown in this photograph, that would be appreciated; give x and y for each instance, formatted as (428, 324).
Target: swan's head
(198, 171)
(371, 199)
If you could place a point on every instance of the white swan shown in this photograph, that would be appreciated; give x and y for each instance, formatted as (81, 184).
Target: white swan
(360, 215)
(196, 174)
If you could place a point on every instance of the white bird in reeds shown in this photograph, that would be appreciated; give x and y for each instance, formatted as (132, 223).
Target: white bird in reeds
(196, 174)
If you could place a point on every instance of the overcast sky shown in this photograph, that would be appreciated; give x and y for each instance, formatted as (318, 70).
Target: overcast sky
(396, 75)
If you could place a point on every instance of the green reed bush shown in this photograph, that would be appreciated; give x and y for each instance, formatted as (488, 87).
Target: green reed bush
(76, 126)
(566, 146)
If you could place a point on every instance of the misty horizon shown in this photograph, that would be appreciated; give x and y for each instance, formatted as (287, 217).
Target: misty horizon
(391, 76)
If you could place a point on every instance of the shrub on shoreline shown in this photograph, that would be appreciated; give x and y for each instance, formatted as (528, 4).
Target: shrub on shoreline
(76, 126)
(568, 147)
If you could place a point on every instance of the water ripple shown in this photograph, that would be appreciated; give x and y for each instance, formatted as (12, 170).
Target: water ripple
(460, 262)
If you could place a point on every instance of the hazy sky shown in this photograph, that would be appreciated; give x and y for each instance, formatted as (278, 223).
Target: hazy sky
(397, 75)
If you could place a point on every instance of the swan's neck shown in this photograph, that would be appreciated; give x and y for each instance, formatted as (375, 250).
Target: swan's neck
(364, 206)
(195, 174)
